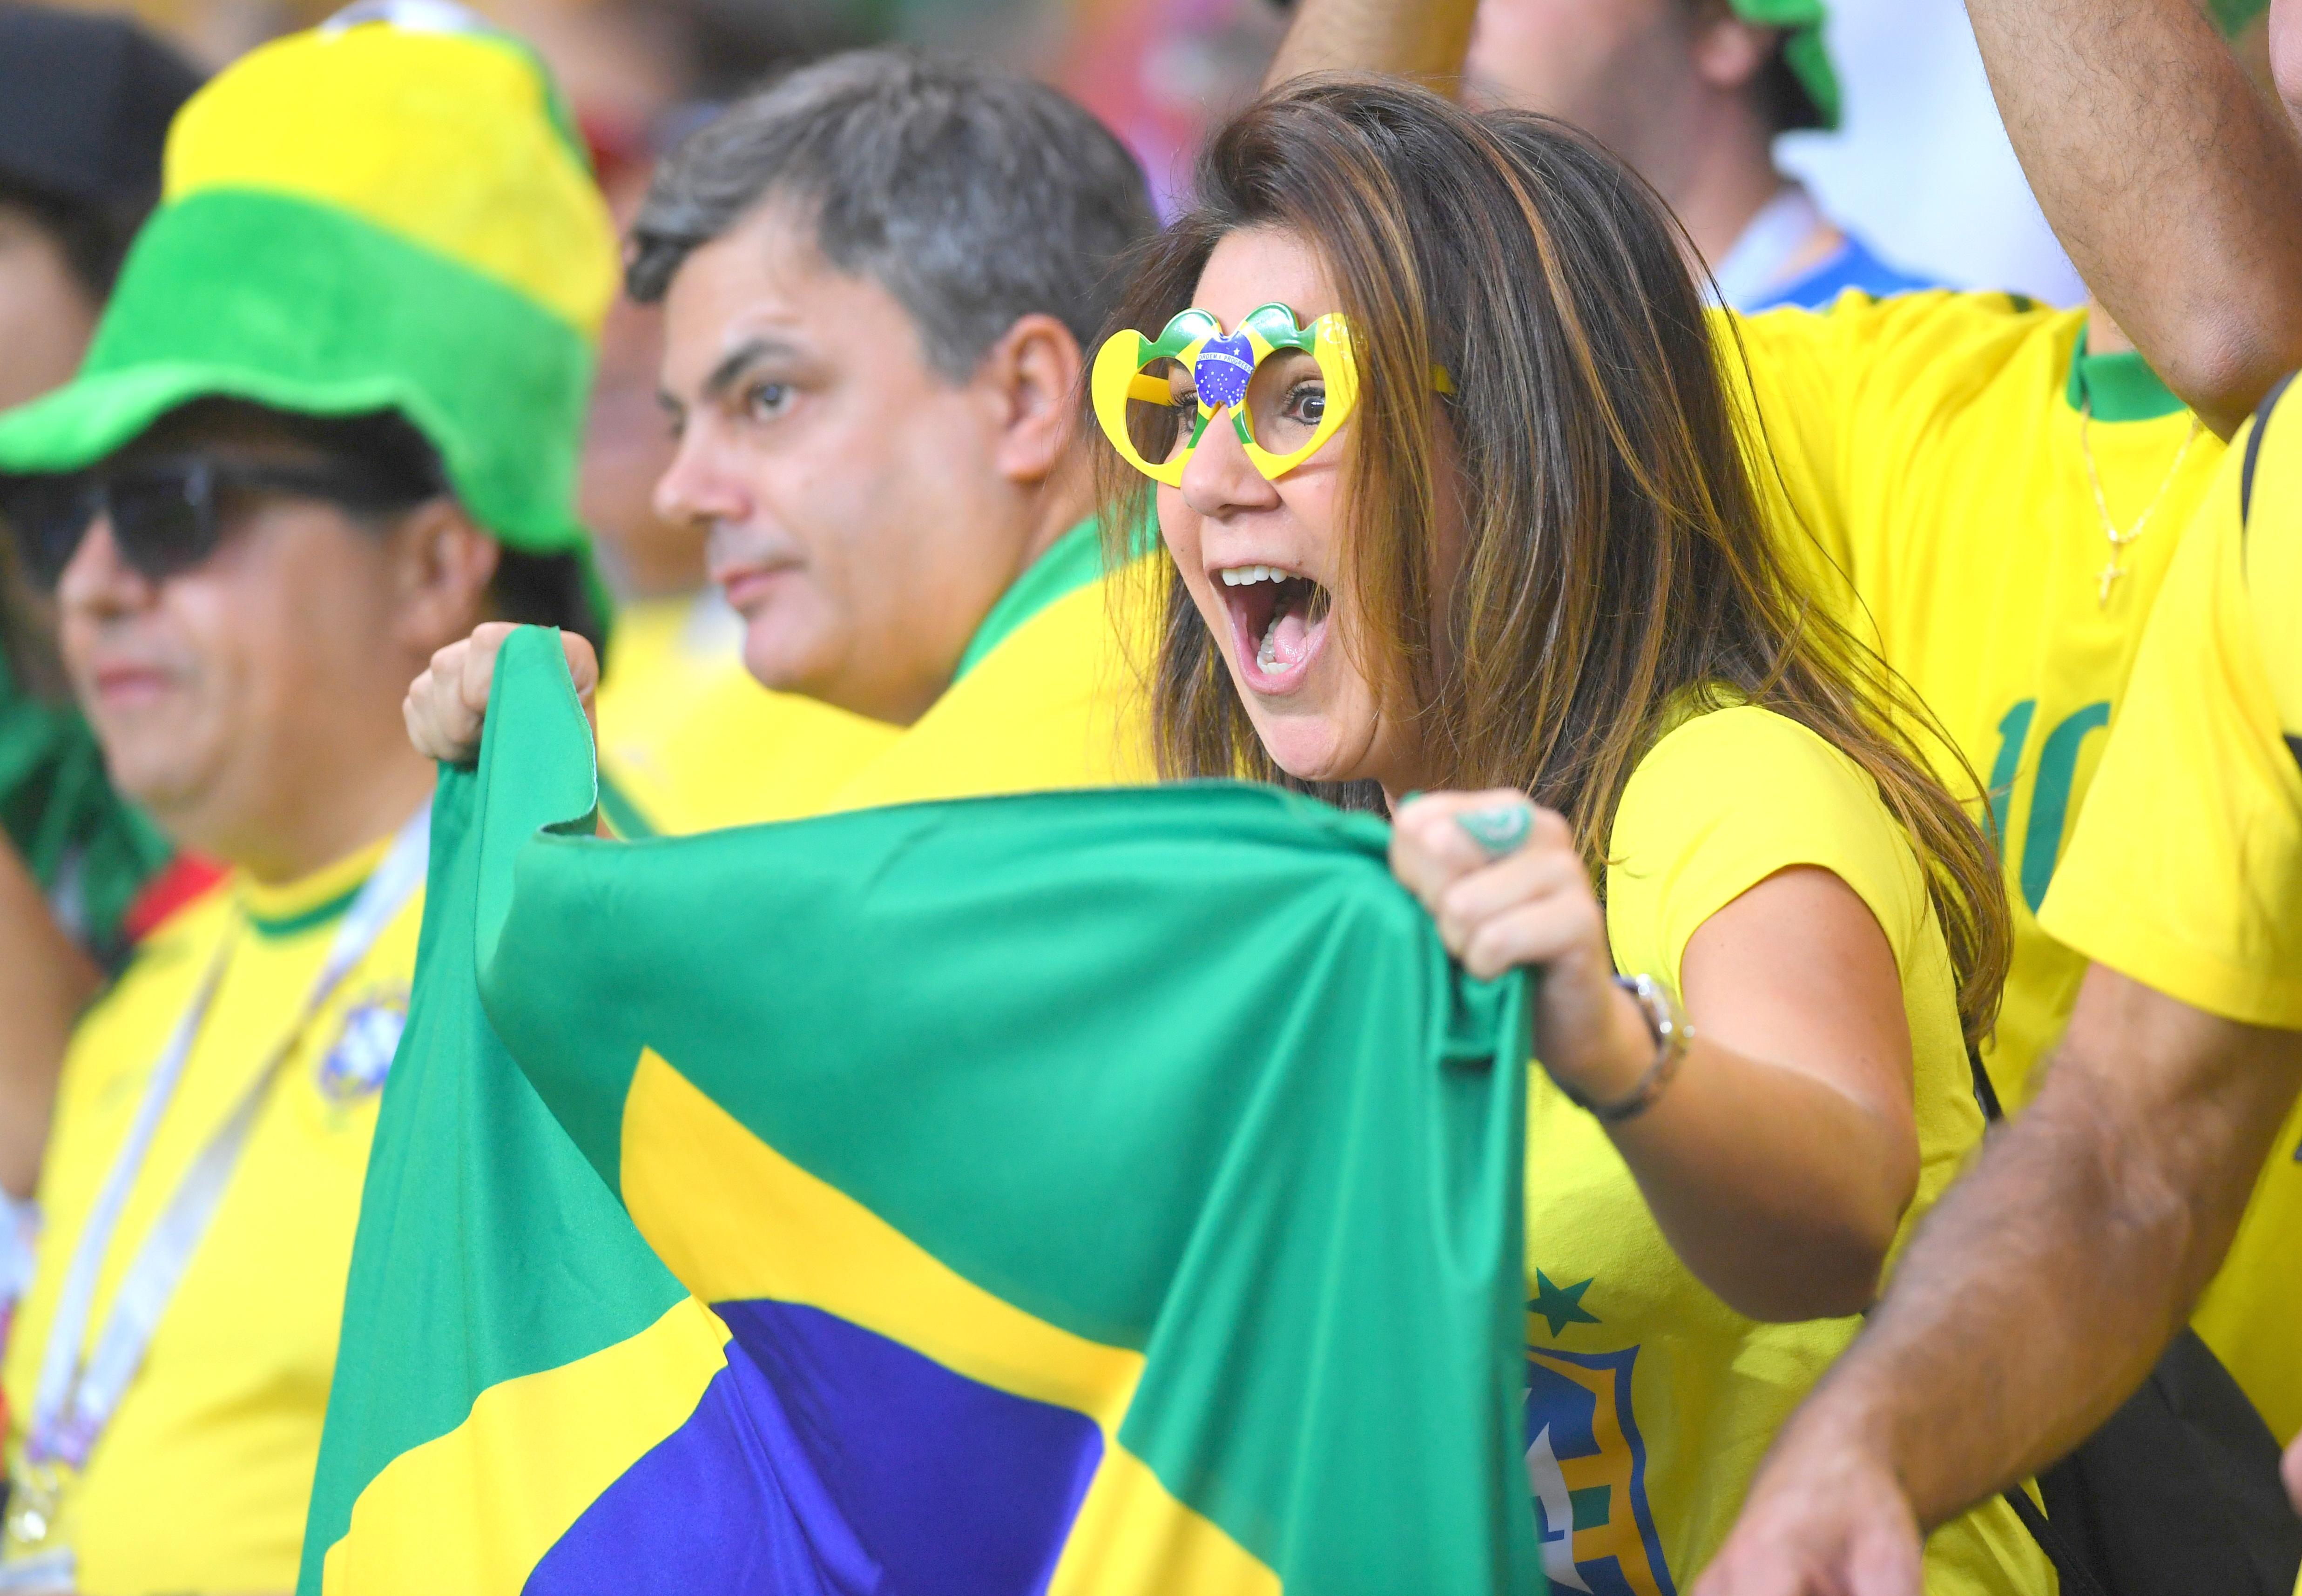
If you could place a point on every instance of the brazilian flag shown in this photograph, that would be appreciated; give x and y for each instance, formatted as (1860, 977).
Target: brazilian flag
(1105, 1191)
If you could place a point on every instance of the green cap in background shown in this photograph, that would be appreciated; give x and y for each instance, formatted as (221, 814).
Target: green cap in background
(1802, 22)
(2233, 17)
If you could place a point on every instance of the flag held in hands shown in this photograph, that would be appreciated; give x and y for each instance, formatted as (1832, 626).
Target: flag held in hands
(1105, 1191)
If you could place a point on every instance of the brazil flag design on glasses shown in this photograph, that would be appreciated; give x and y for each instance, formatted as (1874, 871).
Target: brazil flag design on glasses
(1102, 1191)
(1200, 369)
(389, 211)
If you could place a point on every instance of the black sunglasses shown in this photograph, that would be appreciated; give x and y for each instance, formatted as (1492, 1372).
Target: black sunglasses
(164, 513)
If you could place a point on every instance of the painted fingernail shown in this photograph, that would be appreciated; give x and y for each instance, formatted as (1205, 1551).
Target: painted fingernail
(1499, 830)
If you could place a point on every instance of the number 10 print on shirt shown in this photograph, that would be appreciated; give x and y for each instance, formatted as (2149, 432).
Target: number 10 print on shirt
(2055, 776)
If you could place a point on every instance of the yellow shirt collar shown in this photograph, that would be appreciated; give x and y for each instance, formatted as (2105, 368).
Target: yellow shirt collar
(298, 905)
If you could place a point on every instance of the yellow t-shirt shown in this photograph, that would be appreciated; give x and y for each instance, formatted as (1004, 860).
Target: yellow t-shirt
(201, 1480)
(693, 743)
(1650, 1401)
(1047, 696)
(1044, 696)
(1931, 444)
(2186, 870)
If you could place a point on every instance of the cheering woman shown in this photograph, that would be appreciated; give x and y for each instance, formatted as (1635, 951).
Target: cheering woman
(1453, 503)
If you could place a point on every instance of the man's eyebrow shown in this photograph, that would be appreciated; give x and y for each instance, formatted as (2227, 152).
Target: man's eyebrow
(737, 361)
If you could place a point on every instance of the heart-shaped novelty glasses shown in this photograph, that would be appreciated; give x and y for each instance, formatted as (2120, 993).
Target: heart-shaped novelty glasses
(1283, 411)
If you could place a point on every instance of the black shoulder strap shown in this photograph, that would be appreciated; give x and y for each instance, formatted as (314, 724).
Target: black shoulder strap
(2069, 1568)
(2254, 448)
(1985, 1093)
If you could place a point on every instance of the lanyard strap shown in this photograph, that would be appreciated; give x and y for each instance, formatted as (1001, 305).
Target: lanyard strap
(74, 1401)
(1773, 238)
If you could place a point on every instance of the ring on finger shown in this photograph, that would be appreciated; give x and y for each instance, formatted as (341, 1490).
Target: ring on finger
(1499, 829)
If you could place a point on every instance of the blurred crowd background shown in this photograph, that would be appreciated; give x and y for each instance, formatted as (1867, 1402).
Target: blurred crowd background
(1921, 168)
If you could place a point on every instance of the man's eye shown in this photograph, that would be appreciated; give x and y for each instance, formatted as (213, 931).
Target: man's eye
(764, 401)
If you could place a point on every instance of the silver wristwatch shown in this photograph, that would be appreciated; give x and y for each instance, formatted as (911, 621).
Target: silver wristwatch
(1672, 1036)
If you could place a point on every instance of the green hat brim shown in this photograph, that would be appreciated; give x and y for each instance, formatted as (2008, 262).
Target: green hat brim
(304, 307)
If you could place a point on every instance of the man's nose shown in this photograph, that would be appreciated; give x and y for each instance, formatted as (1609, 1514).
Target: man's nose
(97, 580)
(1219, 480)
(701, 484)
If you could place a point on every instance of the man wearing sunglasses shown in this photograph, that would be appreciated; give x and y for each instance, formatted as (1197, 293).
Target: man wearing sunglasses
(327, 425)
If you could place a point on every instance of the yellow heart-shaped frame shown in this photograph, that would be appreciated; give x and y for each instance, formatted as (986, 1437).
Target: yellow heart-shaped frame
(1119, 376)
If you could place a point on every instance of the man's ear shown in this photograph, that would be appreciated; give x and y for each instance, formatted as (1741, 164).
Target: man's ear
(1031, 377)
(441, 564)
(1730, 53)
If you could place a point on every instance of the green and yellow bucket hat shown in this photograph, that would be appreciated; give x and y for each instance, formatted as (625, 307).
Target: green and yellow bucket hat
(389, 211)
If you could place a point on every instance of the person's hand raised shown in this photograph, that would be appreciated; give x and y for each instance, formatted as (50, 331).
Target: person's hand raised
(446, 706)
(1508, 888)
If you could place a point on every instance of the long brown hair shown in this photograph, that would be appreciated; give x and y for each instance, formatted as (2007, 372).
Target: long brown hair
(1618, 566)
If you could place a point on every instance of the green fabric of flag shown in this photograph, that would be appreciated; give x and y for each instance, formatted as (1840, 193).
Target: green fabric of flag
(1099, 1192)
(488, 1250)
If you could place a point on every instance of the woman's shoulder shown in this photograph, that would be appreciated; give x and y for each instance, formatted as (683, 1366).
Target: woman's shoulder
(1732, 795)
(1736, 752)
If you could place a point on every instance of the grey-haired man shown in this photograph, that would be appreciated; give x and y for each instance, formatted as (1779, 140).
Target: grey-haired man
(879, 278)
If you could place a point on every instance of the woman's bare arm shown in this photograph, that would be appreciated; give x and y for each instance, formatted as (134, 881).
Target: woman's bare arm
(1780, 1162)
(1781, 1158)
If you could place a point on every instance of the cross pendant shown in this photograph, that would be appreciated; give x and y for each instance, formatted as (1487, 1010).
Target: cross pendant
(2110, 574)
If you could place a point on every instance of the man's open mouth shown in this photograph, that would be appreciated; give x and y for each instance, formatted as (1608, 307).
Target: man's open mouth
(1278, 618)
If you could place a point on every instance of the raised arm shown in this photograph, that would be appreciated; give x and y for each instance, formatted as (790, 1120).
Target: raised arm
(1415, 38)
(2173, 182)
(2034, 1299)
(2175, 185)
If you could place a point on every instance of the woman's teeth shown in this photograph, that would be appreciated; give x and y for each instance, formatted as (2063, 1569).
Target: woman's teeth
(1240, 576)
(1267, 657)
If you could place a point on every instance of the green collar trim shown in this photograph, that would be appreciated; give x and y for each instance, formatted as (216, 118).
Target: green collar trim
(2122, 386)
(318, 914)
(313, 899)
(1072, 561)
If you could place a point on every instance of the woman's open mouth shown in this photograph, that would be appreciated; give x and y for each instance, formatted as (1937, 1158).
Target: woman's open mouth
(1278, 621)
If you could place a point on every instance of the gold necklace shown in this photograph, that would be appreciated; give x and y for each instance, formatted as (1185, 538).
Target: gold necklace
(2112, 571)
